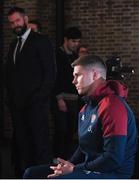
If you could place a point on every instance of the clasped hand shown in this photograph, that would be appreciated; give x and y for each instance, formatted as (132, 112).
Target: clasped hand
(63, 167)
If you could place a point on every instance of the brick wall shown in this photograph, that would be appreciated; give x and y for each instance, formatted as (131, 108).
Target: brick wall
(47, 16)
(108, 26)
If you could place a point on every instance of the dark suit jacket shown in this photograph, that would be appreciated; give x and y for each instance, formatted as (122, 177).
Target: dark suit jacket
(32, 77)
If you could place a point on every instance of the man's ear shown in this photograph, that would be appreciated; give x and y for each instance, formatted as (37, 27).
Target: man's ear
(95, 75)
(26, 19)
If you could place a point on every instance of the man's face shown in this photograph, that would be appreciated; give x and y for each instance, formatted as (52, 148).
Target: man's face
(83, 51)
(83, 79)
(18, 23)
(73, 44)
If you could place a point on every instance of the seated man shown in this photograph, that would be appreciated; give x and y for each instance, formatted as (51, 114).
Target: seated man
(107, 129)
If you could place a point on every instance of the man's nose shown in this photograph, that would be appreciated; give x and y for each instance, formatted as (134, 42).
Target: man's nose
(15, 24)
(77, 43)
(74, 81)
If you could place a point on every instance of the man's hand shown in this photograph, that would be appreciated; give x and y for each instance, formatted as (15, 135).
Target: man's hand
(63, 167)
(62, 105)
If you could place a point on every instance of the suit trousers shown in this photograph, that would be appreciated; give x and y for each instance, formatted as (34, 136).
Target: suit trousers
(31, 144)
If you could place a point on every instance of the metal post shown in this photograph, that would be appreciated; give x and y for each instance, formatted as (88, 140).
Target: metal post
(1, 72)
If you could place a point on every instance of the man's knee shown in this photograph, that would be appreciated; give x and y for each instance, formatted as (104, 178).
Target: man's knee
(37, 172)
(28, 174)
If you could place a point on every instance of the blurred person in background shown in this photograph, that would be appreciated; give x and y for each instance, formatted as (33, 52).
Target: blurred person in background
(66, 97)
(83, 50)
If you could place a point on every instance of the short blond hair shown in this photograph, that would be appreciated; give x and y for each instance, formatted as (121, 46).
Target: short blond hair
(92, 61)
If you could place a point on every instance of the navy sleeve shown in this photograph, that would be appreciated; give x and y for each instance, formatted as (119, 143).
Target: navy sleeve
(77, 157)
(110, 159)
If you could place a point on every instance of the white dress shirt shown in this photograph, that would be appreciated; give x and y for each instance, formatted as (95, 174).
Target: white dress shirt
(24, 37)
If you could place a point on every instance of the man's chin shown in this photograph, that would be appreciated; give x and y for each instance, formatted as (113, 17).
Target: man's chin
(18, 33)
(80, 92)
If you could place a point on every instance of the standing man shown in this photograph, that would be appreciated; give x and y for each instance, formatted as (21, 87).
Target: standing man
(30, 70)
(66, 94)
(107, 129)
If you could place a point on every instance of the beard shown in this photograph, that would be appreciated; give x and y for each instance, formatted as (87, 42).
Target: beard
(20, 30)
